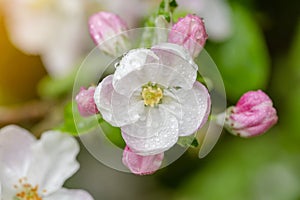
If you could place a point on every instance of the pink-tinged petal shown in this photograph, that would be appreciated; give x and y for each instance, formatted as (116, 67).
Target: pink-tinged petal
(104, 26)
(54, 161)
(102, 97)
(85, 102)
(141, 165)
(66, 194)
(191, 108)
(178, 59)
(252, 99)
(156, 140)
(189, 32)
(253, 115)
(116, 109)
(15, 155)
(254, 123)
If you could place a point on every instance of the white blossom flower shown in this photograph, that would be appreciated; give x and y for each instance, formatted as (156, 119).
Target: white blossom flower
(36, 169)
(154, 97)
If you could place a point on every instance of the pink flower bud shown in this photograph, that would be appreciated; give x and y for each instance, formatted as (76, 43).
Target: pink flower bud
(189, 32)
(141, 165)
(105, 25)
(85, 102)
(253, 115)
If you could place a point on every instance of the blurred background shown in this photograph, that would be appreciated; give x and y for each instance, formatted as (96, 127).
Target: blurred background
(255, 44)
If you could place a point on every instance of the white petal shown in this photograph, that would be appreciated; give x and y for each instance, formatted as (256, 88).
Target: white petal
(166, 64)
(191, 108)
(115, 108)
(15, 155)
(126, 111)
(166, 76)
(54, 161)
(180, 60)
(149, 123)
(178, 51)
(65, 194)
(156, 139)
(133, 61)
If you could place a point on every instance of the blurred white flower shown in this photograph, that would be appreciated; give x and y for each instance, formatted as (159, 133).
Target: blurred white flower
(133, 10)
(54, 29)
(36, 169)
(57, 30)
(216, 14)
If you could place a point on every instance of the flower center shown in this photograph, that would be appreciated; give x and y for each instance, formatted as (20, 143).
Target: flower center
(152, 94)
(26, 191)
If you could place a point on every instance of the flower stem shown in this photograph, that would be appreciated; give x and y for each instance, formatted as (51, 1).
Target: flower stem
(167, 2)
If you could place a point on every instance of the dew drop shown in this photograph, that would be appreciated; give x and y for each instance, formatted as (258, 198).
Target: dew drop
(117, 64)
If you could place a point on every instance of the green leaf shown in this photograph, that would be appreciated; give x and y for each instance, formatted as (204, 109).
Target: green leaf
(243, 59)
(112, 133)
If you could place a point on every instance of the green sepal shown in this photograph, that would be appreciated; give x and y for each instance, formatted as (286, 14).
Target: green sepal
(188, 141)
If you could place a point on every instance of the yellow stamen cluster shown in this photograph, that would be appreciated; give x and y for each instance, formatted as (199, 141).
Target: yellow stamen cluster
(152, 95)
(27, 191)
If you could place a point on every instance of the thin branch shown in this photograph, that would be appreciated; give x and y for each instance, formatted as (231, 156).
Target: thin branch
(27, 112)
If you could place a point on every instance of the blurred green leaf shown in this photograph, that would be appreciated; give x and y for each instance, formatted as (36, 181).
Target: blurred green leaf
(243, 59)
(52, 88)
(75, 124)
(245, 169)
(286, 87)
